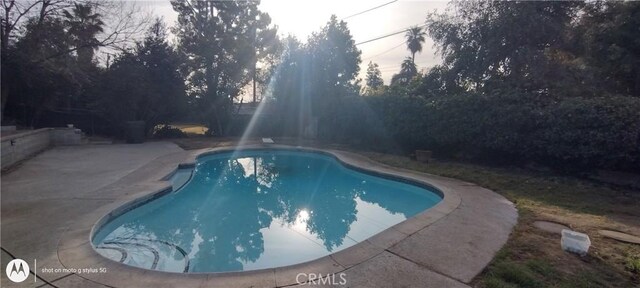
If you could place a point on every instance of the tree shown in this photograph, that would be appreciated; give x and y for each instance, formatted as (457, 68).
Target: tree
(312, 79)
(144, 84)
(334, 65)
(483, 43)
(415, 38)
(34, 19)
(437, 82)
(607, 34)
(287, 80)
(374, 77)
(289, 88)
(408, 70)
(30, 15)
(84, 25)
(222, 41)
(38, 86)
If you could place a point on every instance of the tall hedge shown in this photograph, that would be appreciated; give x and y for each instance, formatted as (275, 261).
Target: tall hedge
(598, 132)
(601, 132)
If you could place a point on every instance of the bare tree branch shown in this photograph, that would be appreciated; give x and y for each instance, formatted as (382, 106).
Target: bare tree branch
(125, 23)
(9, 25)
(18, 11)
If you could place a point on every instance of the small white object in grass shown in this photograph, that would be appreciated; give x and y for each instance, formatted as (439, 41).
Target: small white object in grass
(575, 242)
(267, 141)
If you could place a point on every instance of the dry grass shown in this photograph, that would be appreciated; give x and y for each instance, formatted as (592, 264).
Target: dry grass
(532, 257)
(191, 129)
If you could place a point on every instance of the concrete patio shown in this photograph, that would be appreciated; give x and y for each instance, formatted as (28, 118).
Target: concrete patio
(46, 193)
(50, 203)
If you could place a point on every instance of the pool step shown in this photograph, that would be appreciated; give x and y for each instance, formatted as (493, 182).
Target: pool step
(149, 253)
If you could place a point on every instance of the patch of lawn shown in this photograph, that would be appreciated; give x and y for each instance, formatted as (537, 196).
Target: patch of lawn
(193, 129)
(534, 258)
(633, 264)
(494, 282)
(515, 274)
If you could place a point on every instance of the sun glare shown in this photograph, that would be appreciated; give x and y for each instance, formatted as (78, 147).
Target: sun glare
(301, 221)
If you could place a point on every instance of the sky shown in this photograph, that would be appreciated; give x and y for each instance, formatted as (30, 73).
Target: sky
(302, 17)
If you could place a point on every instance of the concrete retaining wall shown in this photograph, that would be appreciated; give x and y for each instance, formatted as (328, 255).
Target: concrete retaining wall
(19, 146)
(66, 136)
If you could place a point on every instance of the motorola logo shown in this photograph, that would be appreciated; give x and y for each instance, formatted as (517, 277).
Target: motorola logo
(17, 270)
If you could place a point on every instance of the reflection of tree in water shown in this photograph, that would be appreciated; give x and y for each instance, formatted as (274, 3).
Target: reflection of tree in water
(234, 199)
(282, 187)
(331, 210)
(231, 222)
(225, 217)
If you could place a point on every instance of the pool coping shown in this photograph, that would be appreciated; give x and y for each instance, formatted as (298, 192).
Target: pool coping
(75, 249)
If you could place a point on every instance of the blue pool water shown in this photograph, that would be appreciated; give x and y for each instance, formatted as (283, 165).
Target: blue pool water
(259, 209)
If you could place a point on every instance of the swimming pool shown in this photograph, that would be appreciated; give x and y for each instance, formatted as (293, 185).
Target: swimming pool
(256, 209)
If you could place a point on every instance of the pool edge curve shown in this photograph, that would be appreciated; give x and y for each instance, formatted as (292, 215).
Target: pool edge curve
(76, 248)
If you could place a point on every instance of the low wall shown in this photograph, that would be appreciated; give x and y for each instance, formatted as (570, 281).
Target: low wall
(66, 136)
(19, 146)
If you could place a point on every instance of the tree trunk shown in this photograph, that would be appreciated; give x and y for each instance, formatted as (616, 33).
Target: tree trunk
(4, 90)
(217, 124)
(637, 85)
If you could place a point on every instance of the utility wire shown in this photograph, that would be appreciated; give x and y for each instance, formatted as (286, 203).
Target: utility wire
(397, 67)
(371, 9)
(385, 52)
(388, 35)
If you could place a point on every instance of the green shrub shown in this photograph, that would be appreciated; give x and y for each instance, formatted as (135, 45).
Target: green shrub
(504, 126)
(487, 126)
(353, 122)
(403, 119)
(598, 132)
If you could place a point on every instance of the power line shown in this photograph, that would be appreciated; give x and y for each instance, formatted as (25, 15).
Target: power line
(388, 35)
(385, 52)
(371, 9)
(394, 70)
(398, 66)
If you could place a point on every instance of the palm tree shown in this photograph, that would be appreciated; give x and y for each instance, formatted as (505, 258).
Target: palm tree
(408, 70)
(415, 38)
(408, 67)
(84, 25)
